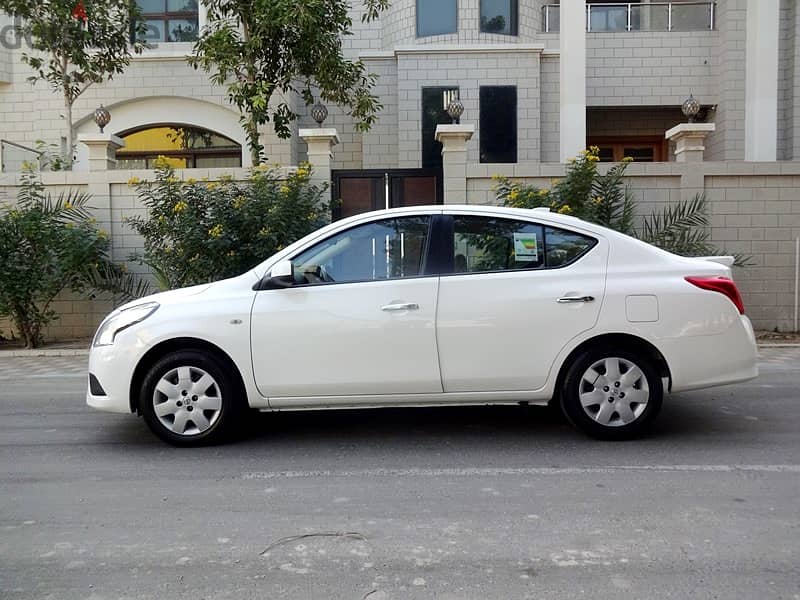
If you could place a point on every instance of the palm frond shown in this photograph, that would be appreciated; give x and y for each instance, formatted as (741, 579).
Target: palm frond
(679, 228)
(112, 278)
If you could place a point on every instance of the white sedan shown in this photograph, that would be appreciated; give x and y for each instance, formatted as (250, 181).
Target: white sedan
(439, 305)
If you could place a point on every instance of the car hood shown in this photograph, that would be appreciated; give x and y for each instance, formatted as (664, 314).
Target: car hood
(245, 280)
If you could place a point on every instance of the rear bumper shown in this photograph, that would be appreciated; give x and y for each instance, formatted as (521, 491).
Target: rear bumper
(703, 361)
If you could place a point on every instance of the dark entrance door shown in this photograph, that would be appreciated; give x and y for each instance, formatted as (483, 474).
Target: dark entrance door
(356, 192)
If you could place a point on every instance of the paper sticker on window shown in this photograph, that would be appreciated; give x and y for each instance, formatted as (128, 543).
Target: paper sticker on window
(526, 247)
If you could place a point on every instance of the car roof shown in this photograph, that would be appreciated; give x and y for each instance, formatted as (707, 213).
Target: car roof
(540, 214)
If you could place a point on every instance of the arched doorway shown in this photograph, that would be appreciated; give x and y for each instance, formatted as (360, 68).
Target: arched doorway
(172, 111)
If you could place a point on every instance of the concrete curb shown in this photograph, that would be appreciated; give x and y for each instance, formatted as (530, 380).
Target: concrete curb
(779, 345)
(44, 352)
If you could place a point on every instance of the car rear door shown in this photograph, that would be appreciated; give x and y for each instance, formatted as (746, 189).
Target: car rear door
(517, 293)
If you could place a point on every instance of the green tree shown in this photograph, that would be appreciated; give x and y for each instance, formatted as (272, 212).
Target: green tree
(285, 47)
(199, 231)
(49, 245)
(77, 44)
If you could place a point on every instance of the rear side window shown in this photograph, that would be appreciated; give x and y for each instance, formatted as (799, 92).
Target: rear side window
(487, 244)
(564, 247)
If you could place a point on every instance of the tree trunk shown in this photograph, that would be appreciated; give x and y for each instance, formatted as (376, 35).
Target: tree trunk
(70, 132)
(254, 141)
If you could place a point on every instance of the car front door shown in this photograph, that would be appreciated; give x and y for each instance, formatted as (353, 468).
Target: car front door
(358, 321)
(518, 292)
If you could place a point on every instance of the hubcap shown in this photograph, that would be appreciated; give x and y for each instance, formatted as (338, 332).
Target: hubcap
(614, 392)
(187, 400)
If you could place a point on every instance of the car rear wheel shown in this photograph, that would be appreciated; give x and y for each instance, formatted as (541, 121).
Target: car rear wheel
(612, 394)
(189, 399)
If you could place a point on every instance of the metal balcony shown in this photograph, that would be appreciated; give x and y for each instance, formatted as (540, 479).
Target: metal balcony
(653, 16)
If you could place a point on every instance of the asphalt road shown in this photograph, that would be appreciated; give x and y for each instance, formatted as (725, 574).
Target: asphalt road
(503, 502)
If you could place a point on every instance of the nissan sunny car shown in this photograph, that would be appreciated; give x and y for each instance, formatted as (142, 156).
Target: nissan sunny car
(439, 305)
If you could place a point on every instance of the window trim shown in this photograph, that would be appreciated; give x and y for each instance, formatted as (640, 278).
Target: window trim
(164, 17)
(427, 35)
(262, 285)
(544, 226)
(513, 30)
(617, 142)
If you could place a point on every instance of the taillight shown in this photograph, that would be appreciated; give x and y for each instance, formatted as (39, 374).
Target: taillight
(723, 285)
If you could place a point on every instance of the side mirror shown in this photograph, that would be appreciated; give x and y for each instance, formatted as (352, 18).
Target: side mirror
(280, 276)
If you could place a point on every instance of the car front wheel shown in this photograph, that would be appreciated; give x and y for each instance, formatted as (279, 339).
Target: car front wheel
(189, 399)
(612, 394)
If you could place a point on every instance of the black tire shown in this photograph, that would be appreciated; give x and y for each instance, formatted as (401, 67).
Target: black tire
(224, 391)
(609, 418)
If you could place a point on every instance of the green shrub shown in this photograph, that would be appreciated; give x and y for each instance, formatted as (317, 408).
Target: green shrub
(199, 231)
(605, 199)
(47, 245)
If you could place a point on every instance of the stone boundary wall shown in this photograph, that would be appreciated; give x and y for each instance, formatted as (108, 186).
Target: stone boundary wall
(754, 210)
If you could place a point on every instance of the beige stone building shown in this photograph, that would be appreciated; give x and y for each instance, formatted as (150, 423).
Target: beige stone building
(538, 82)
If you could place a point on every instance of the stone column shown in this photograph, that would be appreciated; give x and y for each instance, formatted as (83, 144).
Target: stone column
(454, 140)
(572, 85)
(102, 150)
(320, 151)
(761, 80)
(689, 140)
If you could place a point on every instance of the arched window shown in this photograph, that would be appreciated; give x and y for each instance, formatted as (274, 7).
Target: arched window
(185, 147)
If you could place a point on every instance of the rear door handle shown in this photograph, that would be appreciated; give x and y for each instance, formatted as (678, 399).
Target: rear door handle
(398, 307)
(571, 299)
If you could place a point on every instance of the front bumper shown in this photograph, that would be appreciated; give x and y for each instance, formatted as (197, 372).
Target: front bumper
(113, 367)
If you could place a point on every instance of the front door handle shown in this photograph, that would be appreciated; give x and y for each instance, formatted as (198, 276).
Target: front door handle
(570, 299)
(398, 307)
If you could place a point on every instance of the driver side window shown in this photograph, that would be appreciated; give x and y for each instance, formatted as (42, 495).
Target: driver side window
(387, 249)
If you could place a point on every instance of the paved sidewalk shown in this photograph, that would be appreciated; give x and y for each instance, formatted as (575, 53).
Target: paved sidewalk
(14, 368)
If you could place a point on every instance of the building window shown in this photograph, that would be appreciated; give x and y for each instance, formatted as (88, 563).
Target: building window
(170, 20)
(435, 101)
(640, 149)
(436, 17)
(499, 16)
(183, 147)
(498, 130)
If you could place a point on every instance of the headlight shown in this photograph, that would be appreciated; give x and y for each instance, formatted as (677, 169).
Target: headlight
(122, 320)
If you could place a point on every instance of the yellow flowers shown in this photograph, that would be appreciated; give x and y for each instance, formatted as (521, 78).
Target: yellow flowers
(191, 181)
(239, 201)
(592, 158)
(180, 206)
(285, 189)
(565, 210)
(212, 185)
(161, 162)
(627, 159)
(264, 232)
(543, 192)
(162, 219)
(134, 181)
(597, 200)
(102, 235)
(68, 206)
(215, 231)
(171, 179)
(513, 195)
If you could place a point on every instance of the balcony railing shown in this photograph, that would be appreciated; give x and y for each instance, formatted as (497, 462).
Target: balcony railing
(653, 16)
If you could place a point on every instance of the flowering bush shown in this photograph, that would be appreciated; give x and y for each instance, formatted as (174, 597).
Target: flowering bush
(603, 198)
(47, 245)
(198, 231)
